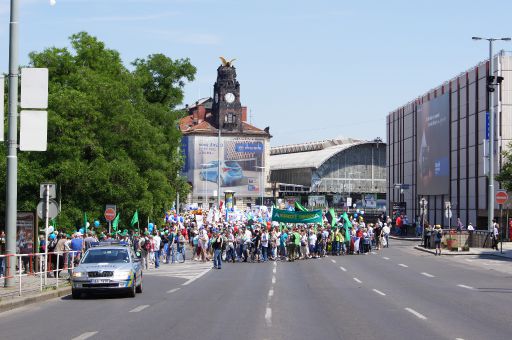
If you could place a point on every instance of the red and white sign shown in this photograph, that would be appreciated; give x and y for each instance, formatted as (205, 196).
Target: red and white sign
(501, 196)
(110, 214)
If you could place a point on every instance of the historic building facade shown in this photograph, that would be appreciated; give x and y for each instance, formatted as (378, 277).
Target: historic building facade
(239, 162)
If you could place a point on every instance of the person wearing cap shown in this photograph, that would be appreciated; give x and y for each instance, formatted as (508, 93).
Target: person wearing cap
(438, 235)
(76, 247)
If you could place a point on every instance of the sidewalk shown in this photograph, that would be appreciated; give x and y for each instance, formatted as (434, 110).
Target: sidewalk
(507, 251)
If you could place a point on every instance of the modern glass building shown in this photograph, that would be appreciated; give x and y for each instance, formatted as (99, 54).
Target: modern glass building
(437, 146)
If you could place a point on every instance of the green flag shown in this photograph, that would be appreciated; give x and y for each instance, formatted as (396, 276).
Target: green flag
(135, 218)
(85, 220)
(333, 219)
(299, 207)
(53, 222)
(115, 223)
(347, 225)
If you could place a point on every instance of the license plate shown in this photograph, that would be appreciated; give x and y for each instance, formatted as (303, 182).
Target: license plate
(100, 281)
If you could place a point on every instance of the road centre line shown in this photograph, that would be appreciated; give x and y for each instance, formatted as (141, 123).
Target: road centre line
(418, 315)
(464, 286)
(357, 280)
(273, 279)
(270, 293)
(333, 261)
(427, 274)
(274, 270)
(385, 258)
(195, 278)
(173, 290)
(84, 336)
(343, 268)
(268, 317)
(138, 309)
(403, 265)
(379, 292)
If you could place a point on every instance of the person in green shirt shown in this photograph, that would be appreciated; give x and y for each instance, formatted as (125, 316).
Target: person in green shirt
(297, 242)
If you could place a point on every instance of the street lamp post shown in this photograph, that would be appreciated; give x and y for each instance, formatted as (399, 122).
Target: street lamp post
(261, 182)
(490, 91)
(12, 144)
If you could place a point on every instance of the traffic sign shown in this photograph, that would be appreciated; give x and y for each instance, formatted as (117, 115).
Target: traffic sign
(501, 196)
(110, 213)
(53, 209)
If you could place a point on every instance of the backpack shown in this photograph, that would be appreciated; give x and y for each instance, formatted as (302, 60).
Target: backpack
(292, 238)
(146, 245)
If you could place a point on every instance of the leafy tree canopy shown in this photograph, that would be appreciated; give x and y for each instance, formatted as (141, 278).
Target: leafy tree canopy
(112, 134)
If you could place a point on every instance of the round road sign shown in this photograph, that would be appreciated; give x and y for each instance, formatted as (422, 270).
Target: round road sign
(110, 214)
(501, 197)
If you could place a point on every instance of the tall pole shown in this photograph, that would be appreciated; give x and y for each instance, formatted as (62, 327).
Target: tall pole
(218, 166)
(12, 144)
(490, 197)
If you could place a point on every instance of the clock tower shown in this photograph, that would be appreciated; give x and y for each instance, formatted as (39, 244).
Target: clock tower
(226, 107)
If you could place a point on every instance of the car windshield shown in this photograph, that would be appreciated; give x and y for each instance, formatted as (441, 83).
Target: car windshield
(106, 256)
(232, 164)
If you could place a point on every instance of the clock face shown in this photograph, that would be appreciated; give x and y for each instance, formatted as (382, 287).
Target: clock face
(229, 97)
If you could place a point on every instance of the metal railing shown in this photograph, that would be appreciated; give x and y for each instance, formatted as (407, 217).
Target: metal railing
(30, 267)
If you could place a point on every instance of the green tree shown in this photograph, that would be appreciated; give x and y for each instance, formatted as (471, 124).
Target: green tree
(505, 175)
(112, 133)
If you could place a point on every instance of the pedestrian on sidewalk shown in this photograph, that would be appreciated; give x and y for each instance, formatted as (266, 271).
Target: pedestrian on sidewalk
(428, 236)
(217, 244)
(438, 235)
(495, 235)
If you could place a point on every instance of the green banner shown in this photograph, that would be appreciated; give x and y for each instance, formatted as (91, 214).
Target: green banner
(314, 216)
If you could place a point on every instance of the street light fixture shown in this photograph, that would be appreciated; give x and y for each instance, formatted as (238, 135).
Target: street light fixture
(490, 89)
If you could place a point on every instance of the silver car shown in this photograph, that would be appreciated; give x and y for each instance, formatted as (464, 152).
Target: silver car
(110, 268)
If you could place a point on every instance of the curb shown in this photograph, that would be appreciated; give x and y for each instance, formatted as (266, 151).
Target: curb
(405, 238)
(459, 253)
(16, 302)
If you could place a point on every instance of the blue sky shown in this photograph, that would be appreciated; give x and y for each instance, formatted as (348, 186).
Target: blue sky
(311, 70)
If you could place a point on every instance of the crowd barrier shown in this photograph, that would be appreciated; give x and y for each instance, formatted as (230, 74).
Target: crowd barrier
(37, 265)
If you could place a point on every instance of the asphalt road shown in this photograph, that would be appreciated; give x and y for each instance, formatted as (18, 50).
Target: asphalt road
(398, 293)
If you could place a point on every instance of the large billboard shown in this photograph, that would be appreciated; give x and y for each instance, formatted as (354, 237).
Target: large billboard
(241, 164)
(433, 142)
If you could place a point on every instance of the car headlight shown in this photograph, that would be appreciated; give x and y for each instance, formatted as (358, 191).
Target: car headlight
(123, 274)
(79, 274)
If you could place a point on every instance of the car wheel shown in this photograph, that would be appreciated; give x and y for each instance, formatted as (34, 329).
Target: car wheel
(139, 287)
(75, 294)
(132, 291)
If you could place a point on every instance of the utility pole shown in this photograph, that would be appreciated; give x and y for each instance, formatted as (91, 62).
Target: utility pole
(11, 200)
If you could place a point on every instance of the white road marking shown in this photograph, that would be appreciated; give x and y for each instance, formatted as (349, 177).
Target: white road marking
(379, 292)
(385, 258)
(403, 265)
(275, 264)
(268, 316)
(273, 279)
(138, 309)
(274, 270)
(343, 268)
(419, 315)
(195, 278)
(357, 280)
(427, 274)
(469, 260)
(270, 293)
(464, 286)
(459, 339)
(173, 290)
(333, 261)
(84, 336)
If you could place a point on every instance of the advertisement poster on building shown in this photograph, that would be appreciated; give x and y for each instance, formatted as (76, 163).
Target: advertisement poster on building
(25, 226)
(338, 200)
(289, 202)
(317, 201)
(370, 201)
(433, 146)
(241, 162)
